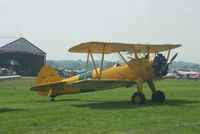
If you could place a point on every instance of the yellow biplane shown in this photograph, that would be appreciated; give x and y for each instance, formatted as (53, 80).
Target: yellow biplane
(146, 64)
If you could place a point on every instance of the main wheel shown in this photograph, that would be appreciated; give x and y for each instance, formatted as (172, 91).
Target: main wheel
(159, 96)
(138, 98)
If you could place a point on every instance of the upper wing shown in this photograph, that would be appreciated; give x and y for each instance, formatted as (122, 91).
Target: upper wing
(83, 84)
(100, 47)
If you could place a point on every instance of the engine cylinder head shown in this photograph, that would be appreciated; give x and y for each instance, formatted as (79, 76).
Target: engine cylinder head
(160, 65)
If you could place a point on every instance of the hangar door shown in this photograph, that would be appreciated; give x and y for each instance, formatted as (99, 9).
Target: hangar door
(26, 64)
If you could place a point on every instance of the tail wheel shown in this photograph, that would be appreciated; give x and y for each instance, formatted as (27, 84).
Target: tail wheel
(138, 98)
(53, 98)
(159, 96)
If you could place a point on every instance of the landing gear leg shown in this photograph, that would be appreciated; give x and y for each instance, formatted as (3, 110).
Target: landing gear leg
(157, 96)
(52, 94)
(138, 97)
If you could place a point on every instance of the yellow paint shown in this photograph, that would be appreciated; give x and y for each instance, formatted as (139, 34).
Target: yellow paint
(138, 68)
(102, 60)
(47, 75)
(97, 47)
(136, 71)
(95, 68)
(86, 65)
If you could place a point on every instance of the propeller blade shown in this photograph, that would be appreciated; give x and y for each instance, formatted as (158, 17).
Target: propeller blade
(172, 59)
(165, 67)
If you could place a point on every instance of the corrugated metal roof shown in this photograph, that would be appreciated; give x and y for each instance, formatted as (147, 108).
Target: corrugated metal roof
(19, 45)
(6, 40)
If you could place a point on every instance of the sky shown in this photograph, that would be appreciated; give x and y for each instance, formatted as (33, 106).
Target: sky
(56, 25)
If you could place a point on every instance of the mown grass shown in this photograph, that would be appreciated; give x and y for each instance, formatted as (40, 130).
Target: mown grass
(103, 112)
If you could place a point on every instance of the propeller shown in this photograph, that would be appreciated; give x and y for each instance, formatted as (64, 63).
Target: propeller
(172, 59)
(164, 69)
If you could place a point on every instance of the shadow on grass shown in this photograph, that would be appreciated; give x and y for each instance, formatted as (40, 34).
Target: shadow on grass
(129, 105)
(3, 110)
(59, 100)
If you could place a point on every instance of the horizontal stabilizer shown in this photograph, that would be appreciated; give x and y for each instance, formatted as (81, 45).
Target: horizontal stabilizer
(45, 87)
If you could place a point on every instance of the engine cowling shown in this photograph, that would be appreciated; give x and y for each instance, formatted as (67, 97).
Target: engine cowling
(160, 65)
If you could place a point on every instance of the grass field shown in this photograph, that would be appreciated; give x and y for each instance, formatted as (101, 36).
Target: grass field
(103, 112)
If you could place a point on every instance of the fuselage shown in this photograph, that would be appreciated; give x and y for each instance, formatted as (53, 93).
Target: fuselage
(137, 68)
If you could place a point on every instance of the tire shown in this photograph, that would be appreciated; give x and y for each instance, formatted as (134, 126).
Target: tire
(52, 98)
(153, 97)
(159, 96)
(138, 98)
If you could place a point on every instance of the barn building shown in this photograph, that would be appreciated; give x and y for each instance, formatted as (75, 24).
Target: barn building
(21, 56)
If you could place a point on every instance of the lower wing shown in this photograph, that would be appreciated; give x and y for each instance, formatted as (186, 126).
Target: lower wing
(83, 84)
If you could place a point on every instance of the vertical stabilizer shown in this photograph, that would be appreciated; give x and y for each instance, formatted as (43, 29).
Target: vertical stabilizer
(47, 75)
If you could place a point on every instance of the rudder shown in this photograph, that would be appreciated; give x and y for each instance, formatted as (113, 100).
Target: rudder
(47, 75)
